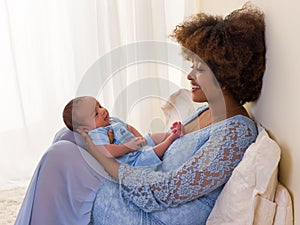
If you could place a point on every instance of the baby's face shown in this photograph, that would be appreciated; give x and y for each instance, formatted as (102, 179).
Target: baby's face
(92, 114)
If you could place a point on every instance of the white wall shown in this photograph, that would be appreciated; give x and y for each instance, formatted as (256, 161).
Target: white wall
(278, 108)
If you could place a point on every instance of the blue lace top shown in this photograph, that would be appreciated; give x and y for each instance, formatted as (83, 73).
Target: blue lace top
(183, 191)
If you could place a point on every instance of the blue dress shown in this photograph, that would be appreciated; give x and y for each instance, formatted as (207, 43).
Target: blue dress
(183, 191)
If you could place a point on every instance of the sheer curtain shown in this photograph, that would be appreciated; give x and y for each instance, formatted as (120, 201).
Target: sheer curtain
(47, 49)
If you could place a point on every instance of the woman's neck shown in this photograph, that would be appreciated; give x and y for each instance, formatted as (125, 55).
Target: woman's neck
(221, 109)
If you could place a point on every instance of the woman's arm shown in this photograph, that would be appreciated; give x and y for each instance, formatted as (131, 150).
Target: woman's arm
(109, 164)
(208, 169)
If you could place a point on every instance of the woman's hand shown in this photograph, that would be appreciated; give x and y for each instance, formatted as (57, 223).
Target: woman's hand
(89, 143)
(109, 164)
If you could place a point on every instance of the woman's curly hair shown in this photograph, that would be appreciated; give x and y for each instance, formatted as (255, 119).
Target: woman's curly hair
(233, 47)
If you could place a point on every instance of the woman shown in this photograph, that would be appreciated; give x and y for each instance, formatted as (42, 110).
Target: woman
(228, 58)
(228, 73)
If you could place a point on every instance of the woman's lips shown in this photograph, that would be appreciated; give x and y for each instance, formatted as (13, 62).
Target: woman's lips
(195, 88)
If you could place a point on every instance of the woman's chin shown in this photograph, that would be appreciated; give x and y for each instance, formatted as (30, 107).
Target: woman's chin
(198, 99)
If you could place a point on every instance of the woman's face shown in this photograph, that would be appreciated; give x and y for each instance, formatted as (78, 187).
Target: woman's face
(204, 86)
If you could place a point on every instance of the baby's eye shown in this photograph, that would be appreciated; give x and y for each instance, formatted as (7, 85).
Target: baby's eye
(96, 114)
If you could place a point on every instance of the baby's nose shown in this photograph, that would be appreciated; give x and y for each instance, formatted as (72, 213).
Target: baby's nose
(102, 111)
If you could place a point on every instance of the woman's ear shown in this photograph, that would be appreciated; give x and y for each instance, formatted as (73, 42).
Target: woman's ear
(223, 88)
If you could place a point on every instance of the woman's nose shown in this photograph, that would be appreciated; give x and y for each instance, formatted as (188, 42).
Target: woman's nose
(190, 76)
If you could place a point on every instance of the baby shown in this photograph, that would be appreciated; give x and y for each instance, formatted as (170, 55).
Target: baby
(119, 139)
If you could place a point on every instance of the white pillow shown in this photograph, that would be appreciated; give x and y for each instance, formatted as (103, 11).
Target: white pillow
(284, 209)
(247, 197)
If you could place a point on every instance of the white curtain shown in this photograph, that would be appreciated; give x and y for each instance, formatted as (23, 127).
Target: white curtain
(47, 50)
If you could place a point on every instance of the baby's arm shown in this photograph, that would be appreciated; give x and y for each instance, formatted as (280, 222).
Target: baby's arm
(162, 140)
(160, 137)
(117, 150)
(167, 138)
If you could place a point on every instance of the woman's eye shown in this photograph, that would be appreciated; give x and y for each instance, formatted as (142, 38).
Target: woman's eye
(196, 68)
(199, 69)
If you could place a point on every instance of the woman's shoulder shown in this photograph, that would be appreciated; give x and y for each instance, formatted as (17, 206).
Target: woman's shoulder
(242, 120)
(238, 124)
(238, 120)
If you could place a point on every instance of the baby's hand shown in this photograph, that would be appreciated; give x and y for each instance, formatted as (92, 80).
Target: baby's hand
(136, 143)
(111, 137)
(177, 128)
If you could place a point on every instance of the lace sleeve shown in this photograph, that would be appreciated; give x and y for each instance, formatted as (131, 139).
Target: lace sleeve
(209, 168)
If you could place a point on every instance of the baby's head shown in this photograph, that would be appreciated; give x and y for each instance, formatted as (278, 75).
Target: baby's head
(85, 112)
